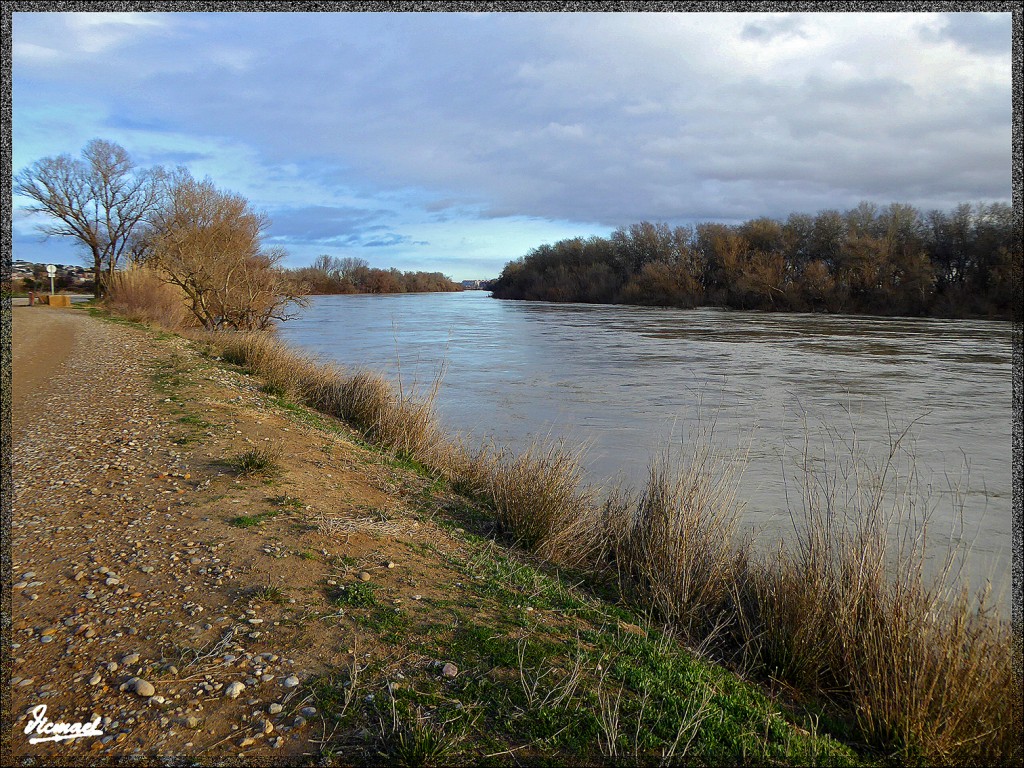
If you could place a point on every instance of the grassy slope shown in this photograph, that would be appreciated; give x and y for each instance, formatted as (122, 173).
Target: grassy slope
(552, 669)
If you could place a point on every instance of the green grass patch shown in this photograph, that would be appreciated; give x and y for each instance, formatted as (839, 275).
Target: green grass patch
(287, 502)
(193, 421)
(390, 623)
(359, 594)
(251, 521)
(273, 390)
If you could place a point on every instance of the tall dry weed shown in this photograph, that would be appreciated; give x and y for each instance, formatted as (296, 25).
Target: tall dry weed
(675, 545)
(537, 495)
(853, 612)
(139, 294)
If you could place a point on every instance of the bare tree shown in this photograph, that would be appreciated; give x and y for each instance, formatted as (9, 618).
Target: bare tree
(99, 200)
(208, 243)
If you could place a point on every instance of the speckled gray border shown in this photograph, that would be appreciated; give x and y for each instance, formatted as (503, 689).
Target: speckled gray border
(6, 480)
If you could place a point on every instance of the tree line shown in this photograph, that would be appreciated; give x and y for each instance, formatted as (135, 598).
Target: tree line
(334, 275)
(891, 260)
(206, 242)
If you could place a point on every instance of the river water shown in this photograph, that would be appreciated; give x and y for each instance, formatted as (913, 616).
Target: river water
(763, 388)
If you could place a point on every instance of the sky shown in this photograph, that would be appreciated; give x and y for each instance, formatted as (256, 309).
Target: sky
(456, 142)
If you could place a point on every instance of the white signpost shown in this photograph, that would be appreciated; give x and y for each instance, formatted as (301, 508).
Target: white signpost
(51, 270)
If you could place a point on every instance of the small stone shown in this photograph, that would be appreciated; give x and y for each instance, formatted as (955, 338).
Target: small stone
(129, 659)
(248, 741)
(449, 670)
(268, 727)
(234, 690)
(192, 722)
(144, 688)
(96, 679)
(290, 682)
(298, 722)
(363, 576)
(307, 711)
(274, 709)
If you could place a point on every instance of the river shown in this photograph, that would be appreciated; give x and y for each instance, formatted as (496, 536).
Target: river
(630, 381)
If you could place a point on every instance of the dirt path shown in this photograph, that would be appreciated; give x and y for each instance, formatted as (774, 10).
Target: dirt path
(43, 339)
(139, 553)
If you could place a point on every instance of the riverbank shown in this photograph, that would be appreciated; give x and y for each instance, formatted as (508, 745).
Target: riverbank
(328, 604)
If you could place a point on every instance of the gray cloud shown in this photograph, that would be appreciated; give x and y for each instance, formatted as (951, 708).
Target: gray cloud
(346, 125)
(323, 223)
(768, 29)
(976, 32)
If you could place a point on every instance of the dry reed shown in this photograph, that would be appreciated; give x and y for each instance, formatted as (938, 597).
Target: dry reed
(140, 295)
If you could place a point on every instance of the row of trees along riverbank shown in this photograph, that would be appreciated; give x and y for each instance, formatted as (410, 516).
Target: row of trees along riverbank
(893, 260)
(333, 275)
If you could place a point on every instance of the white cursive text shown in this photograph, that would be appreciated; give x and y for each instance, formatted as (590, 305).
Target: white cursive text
(58, 731)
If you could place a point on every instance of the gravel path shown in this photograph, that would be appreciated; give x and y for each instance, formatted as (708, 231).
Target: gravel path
(181, 607)
(114, 565)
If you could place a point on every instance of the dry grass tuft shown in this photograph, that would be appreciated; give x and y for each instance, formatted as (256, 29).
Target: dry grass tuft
(679, 549)
(537, 495)
(923, 667)
(140, 295)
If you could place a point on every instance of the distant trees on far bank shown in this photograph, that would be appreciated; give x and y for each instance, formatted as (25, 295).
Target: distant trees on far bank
(893, 260)
(331, 275)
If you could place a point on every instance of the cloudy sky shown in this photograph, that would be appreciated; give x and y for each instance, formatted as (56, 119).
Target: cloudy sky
(456, 142)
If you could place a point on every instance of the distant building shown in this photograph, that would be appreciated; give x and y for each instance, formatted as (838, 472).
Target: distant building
(474, 285)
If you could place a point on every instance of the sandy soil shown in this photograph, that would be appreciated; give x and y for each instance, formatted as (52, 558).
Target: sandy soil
(129, 562)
